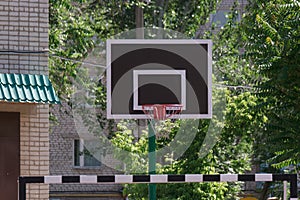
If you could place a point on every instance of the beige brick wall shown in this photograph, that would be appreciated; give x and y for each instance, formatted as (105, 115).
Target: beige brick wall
(23, 44)
(24, 27)
(34, 143)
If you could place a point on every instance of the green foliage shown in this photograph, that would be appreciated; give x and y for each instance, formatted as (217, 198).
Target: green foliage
(231, 66)
(231, 154)
(272, 33)
(77, 25)
(181, 16)
(74, 31)
(233, 151)
(65, 26)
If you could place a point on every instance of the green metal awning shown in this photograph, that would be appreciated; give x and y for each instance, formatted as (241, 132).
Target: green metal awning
(27, 88)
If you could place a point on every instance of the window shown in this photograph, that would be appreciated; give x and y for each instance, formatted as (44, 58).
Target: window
(86, 153)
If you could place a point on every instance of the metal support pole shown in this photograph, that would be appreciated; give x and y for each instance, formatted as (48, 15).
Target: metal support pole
(284, 190)
(22, 189)
(293, 186)
(139, 22)
(152, 158)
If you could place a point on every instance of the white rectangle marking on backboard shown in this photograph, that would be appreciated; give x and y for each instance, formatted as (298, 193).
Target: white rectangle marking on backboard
(181, 116)
(108, 76)
(137, 73)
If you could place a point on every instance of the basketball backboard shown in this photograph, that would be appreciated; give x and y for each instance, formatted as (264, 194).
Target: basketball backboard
(143, 72)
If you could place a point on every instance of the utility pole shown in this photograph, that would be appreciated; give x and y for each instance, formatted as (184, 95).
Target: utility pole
(139, 21)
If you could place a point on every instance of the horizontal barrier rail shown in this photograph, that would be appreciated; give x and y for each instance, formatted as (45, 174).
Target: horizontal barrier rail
(158, 178)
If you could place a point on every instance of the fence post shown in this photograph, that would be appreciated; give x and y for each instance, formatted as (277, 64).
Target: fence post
(293, 187)
(22, 188)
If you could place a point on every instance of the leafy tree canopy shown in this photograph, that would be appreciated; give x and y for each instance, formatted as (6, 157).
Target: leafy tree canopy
(272, 32)
(78, 25)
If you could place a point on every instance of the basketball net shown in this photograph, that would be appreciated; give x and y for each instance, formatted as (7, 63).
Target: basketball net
(161, 111)
(157, 113)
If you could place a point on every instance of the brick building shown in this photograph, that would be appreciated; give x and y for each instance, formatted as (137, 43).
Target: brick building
(25, 93)
(66, 158)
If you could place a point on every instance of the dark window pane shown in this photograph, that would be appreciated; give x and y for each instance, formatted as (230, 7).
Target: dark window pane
(92, 153)
(91, 161)
(76, 152)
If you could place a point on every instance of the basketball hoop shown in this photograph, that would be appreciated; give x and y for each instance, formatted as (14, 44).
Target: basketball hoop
(161, 111)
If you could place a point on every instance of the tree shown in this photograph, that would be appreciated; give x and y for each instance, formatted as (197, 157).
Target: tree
(68, 38)
(77, 25)
(234, 150)
(272, 36)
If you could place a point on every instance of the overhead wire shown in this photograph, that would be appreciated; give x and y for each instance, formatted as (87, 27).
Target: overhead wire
(50, 55)
(23, 52)
(78, 61)
(234, 86)
(101, 66)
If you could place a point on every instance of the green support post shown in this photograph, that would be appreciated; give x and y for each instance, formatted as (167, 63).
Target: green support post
(152, 158)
